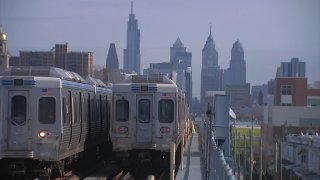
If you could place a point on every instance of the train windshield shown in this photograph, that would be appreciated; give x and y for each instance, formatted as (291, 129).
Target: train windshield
(47, 110)
(122, 110)
(19, 110)
(144, 111)
(165, 113)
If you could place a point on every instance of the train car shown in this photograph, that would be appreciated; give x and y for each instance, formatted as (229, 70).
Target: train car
(149, 113)
(49, 117)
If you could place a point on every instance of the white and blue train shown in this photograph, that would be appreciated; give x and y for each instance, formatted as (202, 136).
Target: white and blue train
(49, 117)
(149, 113)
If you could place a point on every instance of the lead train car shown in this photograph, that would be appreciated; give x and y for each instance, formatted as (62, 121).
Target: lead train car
(150, 112)
(48, 116)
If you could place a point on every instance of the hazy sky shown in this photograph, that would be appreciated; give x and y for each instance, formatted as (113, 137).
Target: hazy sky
(270, 31)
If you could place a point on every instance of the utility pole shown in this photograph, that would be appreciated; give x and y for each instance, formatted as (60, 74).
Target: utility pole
(245, 157)
(251, 150)
(276, 160)
(209, 139)
(235, 150)
(239, 152)
(280, 149)
(260, 172)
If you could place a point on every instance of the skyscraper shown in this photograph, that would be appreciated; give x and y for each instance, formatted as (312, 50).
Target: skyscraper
(209, 53)
(131, 56)
(182, 60)
(235, 79)
(292, 69)
(112, 58)
(179, 68)
(4, 54)
(236, 73)
(211, 74)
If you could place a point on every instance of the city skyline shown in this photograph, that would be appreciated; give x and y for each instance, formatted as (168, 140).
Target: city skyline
(270, 31)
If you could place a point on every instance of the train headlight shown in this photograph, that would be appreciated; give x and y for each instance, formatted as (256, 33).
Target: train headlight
(122, 129)
(43, 134)
(165, 130)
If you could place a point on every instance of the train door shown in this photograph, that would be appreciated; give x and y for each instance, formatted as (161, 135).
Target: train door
(144, 118)
(18, 123)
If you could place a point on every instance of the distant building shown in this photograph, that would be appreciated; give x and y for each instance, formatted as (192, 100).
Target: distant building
(61, 57)
(296, 109)
(14, 60)
(159, 68)
(112, 58)
(177, 47)
(178, 69)
(188, 75)
(271, 86)
(195, 106)
(60, 54)
(236, 73)
(279, 121)
(4, 53)
(80, 62)
(179, 52)
(255, 94)
(294, 68)
(295, 92)
(316, 85)
(240, 96)
(131, 54)
(260, 98)
(300, 156)
(211, 74)
(36, 58)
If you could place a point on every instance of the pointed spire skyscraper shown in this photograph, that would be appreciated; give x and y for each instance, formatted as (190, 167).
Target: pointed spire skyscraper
(211, 74)
(131, 55)
(112, 58)
(209, 53)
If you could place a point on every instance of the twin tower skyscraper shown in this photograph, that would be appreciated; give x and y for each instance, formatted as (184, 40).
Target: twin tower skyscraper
(213, 78)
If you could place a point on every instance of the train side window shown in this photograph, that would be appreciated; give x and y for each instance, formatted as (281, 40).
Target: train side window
(19, 110)
(108, 110)
(88, 107)
(64, 110)
(84, 108)
(104, 110)
(70, 112)
(144, 111)
(47, 110)
(122, 110)
(97, 112)
(165, 111)
(75, 108)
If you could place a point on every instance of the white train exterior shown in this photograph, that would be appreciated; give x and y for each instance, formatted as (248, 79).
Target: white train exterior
(149, 113)
(50, 116)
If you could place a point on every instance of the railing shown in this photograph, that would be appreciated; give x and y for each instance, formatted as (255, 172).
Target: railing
(217, 168)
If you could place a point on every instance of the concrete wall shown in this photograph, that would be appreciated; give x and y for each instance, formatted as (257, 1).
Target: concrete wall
(292, 115)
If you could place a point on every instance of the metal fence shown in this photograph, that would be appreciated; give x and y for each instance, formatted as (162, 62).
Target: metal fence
(217, 168)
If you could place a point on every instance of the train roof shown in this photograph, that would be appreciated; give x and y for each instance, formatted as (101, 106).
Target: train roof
(94, 81)
(146, 83)
(43, 72)
(156, 78)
